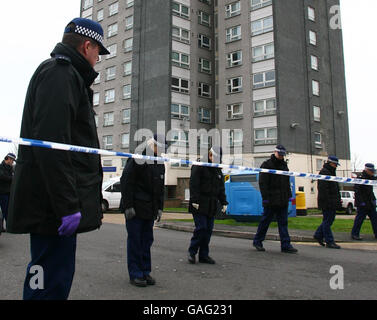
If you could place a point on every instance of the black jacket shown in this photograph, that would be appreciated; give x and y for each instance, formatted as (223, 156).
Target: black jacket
(207, 189)
(6, 176)
(328, 191)
(49, 184)
(364, 193)
(142, 187)
(275, 189)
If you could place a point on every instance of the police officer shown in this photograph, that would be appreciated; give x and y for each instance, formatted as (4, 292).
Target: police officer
(365, 202)
(276, 193)
(329, 201)
(6, 176)
(207, 198)
(142, 186)
(57, 194)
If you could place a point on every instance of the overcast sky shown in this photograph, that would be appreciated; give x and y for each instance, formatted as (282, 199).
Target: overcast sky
(31, 30)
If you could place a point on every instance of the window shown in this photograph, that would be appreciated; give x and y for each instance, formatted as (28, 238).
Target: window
(127, 68)
(234, 59)
(180, 85)
(108, 119)
(128, 43)
(109, 95)
(180, 111)
(204, 18)
(318, 139)
(112, 30)
(234, 85)
(235, 138)
(311, 13)
(204, 65)
(256, 4)
(96, 99)
(113, 8)
(113, 51)
(319, 164)
(181, 34)
(313, 37)
(314, 62)
(129, 3)
(100, 15)
(265, 136)
(108, 142)
(107, 163)
(98, 79)
(262, 26)
(264, 79)
(180, 60)
(315, 87)
(88, 4)
(206, 2)
(233, 34)
(264, 107)
(233, 9)
(129, 22)
(180, 10)
(234, 111)
(110, 73)
(204, 90)
(316, 113)
(204, 115)
(179, 137)
(96, 120)
(204, 41)
(126, 116)
(125, 140)
(263, 52)
(127, 91)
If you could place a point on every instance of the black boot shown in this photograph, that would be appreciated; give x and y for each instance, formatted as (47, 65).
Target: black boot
(332, 245)
(289, 250)
(138, 282)
(259, 247)
(208, 260)
(150, 281)
(320, 241)
(191, 258)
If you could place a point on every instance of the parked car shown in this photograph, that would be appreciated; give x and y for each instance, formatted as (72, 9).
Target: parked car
(111, 194)
(348, 201)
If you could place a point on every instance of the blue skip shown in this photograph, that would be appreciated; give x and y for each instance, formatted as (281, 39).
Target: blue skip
(244, 197)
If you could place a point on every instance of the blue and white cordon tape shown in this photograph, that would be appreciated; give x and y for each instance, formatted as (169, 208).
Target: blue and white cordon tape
(72, 148)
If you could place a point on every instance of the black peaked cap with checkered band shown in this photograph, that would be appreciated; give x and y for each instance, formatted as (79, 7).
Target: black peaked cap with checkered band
(90, 29)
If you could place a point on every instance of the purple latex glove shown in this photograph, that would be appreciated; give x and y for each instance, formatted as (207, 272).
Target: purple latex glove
(69, 224)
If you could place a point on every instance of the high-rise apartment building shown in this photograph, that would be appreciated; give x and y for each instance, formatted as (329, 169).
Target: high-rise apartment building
(268, 71)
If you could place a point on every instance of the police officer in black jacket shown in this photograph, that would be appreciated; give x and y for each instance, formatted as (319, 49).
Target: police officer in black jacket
(365, 202)
(207, 198)
(6, 177)
(276, 193)
(329, 201)
(57, 194)
(142, 187)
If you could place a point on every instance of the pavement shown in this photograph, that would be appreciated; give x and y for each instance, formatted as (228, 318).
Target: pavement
(248, 232)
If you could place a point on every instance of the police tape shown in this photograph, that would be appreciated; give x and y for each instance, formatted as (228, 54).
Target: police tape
(73, 148)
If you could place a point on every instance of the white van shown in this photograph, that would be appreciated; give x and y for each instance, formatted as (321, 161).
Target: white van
(111, 194)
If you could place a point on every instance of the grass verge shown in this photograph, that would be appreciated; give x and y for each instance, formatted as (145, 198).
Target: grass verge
(303, 223)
